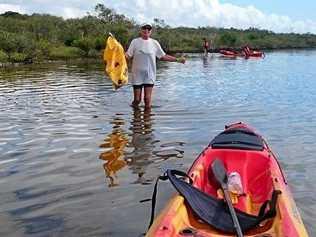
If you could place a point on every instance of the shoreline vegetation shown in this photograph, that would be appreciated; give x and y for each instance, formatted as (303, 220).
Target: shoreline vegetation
(36, 38)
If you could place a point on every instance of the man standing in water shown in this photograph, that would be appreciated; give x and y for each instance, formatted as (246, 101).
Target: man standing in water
(144, 51)
(206, 47)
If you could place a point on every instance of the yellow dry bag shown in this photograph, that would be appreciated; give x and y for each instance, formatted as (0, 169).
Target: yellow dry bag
(116, 66)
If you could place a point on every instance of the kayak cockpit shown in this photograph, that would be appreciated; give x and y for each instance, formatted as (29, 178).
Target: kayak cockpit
(265, 206)
(256, 179)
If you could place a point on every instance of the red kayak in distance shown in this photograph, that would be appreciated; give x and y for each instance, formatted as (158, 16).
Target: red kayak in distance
(229, 53)
(257, 54)
(234, 54)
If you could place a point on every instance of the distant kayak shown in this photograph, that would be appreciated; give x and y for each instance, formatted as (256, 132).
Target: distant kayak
(255, 54)
(234, 54)
(116, 66)
(229, 53)
(259, 192)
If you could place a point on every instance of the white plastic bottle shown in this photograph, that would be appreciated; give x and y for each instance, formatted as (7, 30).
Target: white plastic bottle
(234, 183)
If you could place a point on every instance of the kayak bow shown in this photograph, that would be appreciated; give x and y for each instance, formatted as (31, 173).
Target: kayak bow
(266, 207)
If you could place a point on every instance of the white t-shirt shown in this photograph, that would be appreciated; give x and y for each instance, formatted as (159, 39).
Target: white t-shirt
(144, 53)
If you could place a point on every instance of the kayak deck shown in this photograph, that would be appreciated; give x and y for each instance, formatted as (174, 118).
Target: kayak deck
(260, 175)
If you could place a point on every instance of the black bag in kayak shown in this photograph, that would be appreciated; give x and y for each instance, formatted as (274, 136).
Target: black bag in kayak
(211, 210)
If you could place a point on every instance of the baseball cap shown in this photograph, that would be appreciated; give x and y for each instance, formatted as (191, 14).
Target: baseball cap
(146, 25)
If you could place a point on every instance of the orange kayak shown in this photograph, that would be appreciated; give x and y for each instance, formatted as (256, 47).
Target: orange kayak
(254, 54)
(261, 198)
(258, 54)
(229, 53)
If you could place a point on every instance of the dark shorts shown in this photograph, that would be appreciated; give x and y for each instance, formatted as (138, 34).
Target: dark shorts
(142, 85)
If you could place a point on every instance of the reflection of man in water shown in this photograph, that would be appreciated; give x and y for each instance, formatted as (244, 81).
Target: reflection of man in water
(137, 150)
(114, 158)
(142, 142)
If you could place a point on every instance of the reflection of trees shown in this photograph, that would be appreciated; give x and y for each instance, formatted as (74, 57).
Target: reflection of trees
(114, 157)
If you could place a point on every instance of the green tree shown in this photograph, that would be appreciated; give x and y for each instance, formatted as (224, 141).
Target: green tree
(228, 39)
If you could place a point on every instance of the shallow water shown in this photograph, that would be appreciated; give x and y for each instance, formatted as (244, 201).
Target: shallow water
(77, 160)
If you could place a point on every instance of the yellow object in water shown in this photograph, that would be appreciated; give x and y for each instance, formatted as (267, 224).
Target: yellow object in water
(116, 66)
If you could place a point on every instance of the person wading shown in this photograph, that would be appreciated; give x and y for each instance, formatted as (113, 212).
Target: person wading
(144, 51)
(206, 46)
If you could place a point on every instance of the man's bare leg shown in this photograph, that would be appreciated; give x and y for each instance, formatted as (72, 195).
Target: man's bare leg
(147, 96)
(137, 96)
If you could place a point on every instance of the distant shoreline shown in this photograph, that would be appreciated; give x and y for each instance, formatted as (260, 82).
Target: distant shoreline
(27, 39)
(238, 49)
(48, 61)
(99, 59)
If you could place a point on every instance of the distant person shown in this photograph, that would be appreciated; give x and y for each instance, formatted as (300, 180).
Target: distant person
(206, 46)
(247, 51)
(144, 51)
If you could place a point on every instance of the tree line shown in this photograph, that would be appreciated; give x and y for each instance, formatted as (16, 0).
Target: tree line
(37, 37)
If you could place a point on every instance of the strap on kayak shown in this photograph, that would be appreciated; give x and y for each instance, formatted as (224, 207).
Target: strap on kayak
(163, 177)
(211, 210)
(272, 206)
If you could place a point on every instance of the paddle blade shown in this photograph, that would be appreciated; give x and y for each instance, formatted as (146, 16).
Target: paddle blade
(219, 172)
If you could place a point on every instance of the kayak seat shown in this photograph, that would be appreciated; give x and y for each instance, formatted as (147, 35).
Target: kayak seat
(214, 211)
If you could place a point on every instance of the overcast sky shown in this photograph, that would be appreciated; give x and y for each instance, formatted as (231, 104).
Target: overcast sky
(276, 15)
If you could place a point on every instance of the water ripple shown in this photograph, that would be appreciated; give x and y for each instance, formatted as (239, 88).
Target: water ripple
(76, 159)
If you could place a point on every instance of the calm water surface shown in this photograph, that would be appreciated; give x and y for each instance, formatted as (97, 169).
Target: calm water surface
(77, 160)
